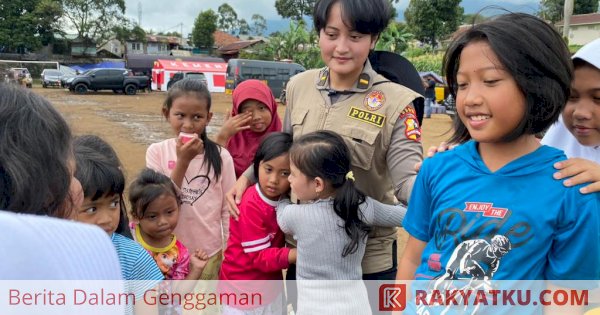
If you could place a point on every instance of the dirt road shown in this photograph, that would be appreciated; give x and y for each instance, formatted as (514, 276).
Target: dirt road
(131, 123)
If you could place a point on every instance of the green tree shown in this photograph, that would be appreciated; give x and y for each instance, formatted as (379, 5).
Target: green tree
(243, 27)
(294, 9)
(174, 34)
(228, 18)
(431, 21)
(552, 10)
(93, 20)
(473, 18)
(47, 15)
(204, 27)
(394, 38)
(26, 25)
(259, 25)
(127, 31)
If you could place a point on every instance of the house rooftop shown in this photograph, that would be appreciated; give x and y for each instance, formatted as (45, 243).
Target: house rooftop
(582, 19)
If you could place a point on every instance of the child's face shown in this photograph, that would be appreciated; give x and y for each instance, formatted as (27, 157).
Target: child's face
(160, 218)
(488, 100)
(261, 115)
(103, 212)
(304, 188)
(343, 50)
(582, 112)
(273, 176)
(188, 114)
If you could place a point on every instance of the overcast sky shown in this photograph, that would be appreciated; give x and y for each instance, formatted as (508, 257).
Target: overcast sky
(166, 15)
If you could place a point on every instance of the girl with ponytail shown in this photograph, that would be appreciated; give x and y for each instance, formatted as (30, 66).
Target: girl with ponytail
(331, 223)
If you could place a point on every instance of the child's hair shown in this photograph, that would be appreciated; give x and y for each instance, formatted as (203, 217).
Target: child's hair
(147, 187)
(189, 86)
(534, 54)
(100, 173)
(366, 17)
(324, 154)
(35, 149)
(273, 145)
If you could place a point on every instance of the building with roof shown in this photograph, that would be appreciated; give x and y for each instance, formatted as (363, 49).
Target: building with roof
(584, 28)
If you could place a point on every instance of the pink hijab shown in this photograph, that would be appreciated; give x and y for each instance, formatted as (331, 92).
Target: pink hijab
(244, 144)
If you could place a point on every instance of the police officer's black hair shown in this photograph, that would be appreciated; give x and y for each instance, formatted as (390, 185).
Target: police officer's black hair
(100, 173)
(366, 17)
(534, 54)
(272, 146)
(324, 154)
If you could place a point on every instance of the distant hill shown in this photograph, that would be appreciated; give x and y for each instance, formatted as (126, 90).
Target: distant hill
(471, 6)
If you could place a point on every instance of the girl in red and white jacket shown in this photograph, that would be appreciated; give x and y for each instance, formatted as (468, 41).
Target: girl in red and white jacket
(255, 249)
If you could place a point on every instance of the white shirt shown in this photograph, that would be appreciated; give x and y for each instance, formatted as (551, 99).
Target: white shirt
(44, 248)
(560, 137)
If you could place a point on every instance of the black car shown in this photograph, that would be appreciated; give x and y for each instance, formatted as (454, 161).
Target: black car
(192, 75)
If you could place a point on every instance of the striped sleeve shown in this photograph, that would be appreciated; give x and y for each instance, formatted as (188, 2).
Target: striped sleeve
(256, 239)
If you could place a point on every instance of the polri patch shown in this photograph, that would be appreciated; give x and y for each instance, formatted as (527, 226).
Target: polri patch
(366, 116)
(374, 100)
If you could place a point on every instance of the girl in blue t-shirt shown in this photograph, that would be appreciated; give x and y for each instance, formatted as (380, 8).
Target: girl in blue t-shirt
(100, 173)
(483, 211)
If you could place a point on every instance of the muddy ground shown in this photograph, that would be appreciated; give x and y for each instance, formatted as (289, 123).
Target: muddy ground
(131, 123)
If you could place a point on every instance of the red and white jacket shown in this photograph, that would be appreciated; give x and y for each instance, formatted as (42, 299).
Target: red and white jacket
(255, 248)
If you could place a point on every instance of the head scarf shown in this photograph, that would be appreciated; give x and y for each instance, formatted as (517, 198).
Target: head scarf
(244, 144)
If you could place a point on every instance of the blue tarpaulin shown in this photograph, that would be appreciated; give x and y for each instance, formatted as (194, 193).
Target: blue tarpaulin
(104, 64)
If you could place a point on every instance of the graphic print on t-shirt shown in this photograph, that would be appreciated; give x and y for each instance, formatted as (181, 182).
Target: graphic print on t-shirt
(473, 240)
(194, 188)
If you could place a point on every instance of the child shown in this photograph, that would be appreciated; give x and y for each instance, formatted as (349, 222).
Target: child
(99, 171)
(199, 167)
(578, 130)
(155, 207)
(255, 249)
(254, 115)
(375, 116)
(37, 170)
(487, 217)
(331, 226)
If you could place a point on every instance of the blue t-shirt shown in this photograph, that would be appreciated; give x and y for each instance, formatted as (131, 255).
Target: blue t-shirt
(515, 223)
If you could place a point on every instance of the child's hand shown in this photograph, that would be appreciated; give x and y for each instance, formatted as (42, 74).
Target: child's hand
(187, 151)
(443, 146)
(237, 123)
(198, 261)
(293, 256)
(579, 171)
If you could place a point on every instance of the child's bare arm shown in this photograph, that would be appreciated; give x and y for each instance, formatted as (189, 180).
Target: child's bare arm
(198, 261)
(410, 259)
(579, 171)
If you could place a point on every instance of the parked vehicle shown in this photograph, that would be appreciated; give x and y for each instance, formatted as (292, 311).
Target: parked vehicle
(51, 77)
(20, 76)
(107, 79)
(275, 74)
(181, 75)
(450, 105)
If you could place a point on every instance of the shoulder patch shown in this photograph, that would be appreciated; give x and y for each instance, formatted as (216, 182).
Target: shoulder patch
(374, 100)
(366, 116)
(412, 129)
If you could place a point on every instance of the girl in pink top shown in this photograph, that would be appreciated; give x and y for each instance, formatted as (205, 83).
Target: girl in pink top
(253, 116)
(199, 167)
